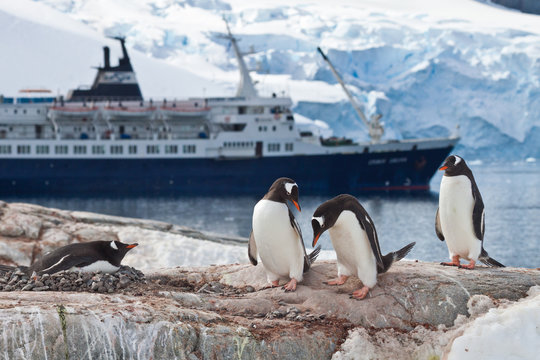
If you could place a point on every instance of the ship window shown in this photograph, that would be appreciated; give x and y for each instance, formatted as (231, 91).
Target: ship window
(5, 149)
(188, 149)
(132, 149)
(24, 111)
(290, 127)
(289, 146)
(117, 149)
(79, 149)
(38, 111)
(171, 149)
(273, 128)
(98, 149)
(61, 149)
(152, 149)
(15, 111)
(42, 149)
(273, 147)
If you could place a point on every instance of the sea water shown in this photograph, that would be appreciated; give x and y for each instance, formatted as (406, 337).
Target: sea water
(511, 194)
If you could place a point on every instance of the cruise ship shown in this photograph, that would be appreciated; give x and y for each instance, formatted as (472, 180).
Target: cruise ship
(109, 140)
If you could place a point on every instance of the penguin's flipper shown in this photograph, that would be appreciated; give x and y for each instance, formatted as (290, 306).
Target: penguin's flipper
(252, 249)
(296, 227)
(486, 259)
(438, 229)
(65, 263)
(308, 259)
(478, 217)
(367, 225)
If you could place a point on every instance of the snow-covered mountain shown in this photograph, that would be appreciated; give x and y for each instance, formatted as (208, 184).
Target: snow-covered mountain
(425, 65)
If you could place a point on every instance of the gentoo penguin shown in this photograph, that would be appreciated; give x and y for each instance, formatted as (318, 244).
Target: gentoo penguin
(94, 256)
(355, 241)
(460, 216)
(276, 236)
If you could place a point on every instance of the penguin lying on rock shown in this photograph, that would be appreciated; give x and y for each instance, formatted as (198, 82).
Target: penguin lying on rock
(460, 216)
(94, 256)
(355, 241)
(276, 236)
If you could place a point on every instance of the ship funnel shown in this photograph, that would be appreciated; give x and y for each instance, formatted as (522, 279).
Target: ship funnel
(106, 55)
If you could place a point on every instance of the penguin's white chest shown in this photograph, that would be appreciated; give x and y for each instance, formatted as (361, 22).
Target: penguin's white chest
(278, 244)
(353, 249)
(456, 204)
(100, 265)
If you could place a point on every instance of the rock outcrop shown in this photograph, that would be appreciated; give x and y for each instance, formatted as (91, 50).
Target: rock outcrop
(224, 311)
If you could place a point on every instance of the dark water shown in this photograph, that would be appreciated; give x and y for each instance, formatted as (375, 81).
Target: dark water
(511, 196)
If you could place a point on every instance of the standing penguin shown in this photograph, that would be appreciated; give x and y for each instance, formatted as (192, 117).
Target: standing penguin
(355, 241)
(460, 216)
(276, 236)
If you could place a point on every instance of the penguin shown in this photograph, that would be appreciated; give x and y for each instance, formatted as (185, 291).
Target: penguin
(460, 216)
(276, 236)
(355, 241)
(94, 256)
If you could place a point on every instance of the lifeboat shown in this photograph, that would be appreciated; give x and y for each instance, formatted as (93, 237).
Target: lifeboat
(72, 111)
(129, 112)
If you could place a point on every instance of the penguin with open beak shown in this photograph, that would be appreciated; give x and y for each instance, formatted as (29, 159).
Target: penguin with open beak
(355, 241)
(276, 236)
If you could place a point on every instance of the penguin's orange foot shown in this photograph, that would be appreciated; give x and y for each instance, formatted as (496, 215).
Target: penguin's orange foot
(339, 281)
(455, 261)
(361, 293)
(469, 266)
(451, 264)
(290, 286)
(272, 284)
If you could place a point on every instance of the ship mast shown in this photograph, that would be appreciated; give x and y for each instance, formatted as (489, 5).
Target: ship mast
(375, 128)
(245, 87)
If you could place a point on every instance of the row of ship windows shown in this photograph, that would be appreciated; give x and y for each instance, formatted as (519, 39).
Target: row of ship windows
(97, 149)
(263, 128)
(16, 111)
(238, 144)
(271, 147)
(276, 147)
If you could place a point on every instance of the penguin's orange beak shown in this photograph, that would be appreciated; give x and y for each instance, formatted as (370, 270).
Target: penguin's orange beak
(131, 246)
(296, 204)
(315, 239)
(443, 167)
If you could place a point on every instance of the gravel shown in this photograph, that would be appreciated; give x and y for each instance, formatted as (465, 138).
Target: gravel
(72, 281)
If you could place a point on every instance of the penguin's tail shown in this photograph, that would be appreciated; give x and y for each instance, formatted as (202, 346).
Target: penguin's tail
(311, 258)
(6, 268)
(484, 257)
(392, 257)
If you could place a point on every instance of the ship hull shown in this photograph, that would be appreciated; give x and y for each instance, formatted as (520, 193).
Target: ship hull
(316, 174)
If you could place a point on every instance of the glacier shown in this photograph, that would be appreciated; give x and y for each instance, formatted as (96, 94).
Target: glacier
(429, 67)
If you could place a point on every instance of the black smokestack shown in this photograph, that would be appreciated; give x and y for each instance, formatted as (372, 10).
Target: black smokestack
(106, 53)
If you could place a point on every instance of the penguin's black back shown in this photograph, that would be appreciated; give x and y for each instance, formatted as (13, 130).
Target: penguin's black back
(78, 255)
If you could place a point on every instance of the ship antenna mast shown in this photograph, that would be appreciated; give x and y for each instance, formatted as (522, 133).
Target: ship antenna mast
(245, 87)
(375, 128)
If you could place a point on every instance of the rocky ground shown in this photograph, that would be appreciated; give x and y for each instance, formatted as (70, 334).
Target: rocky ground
(224, 311)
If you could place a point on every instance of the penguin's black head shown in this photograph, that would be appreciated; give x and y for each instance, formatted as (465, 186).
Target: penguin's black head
(454, 165)
(325, 217)
(117, 250)
(284, 189)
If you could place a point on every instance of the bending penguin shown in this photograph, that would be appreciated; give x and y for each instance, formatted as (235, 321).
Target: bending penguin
(93, 256)
(276, 236)
(460, 216)
(355, 241)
